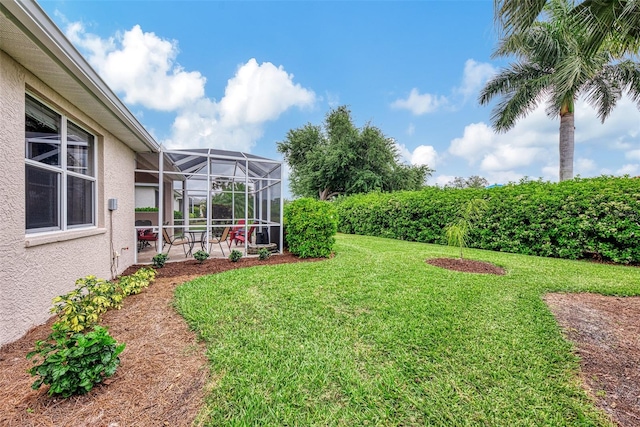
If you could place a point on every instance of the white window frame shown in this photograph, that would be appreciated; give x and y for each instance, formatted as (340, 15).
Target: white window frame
(63, 172)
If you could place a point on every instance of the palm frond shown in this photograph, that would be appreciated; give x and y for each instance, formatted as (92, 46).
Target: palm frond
(514, 16)
(603, 93)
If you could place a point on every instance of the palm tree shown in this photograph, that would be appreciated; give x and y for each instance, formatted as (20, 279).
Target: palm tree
(554, 64)
(602, 18)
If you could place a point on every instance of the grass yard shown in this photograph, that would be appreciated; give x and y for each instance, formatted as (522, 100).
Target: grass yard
(375, 336)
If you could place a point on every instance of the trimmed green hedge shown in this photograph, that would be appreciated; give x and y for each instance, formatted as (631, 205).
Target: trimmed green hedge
(582, 218)
(310, 227)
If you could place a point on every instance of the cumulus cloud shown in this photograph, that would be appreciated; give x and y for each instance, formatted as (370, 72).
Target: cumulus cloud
(258, 93)
(629, 169)
(442, 180)
(584, 167)
(424, 155)
(633, 155)
(474, 76)
(419, 103)
(261, 92)
(532, 144)
(143, 67)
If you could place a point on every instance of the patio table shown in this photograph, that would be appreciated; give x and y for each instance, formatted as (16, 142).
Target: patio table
(193, 239)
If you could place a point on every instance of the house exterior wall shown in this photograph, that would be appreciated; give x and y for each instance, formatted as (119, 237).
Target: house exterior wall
(34, 268)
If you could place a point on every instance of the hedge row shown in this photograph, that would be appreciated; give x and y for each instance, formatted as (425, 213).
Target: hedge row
(583, 218)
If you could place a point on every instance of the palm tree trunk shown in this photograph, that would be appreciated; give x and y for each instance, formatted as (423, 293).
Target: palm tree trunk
(567, 135)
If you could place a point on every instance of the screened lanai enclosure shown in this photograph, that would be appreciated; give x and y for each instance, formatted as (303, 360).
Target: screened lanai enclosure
(207, 199)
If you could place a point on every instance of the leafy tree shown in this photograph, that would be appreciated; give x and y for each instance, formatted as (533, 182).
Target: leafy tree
(231, 196)
(473, 181)
(600, 19)
(338, 158)
(553, 64)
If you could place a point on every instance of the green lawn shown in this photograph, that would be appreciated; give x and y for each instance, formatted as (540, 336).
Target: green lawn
(375, 336)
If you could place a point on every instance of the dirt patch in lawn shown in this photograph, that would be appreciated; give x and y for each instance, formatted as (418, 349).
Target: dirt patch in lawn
(466, 265)
(606, 334)
(163, 373)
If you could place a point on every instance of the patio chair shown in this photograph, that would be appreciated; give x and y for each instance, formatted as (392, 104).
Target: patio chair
(239, 236)
(218, 240)
(176, 240)
(236, 229)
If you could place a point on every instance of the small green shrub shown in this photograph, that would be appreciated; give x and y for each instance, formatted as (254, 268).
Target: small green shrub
(177, 215)
(263, 254)
(201, 256)
(310, 227)
(82, 307)
(159, 260)
(72, 363)
(235, 255)
(147, 209)
(135, 283)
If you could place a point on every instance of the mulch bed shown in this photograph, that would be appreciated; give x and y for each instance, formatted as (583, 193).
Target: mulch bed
(466, 265)
(163, 373)
(163, 376)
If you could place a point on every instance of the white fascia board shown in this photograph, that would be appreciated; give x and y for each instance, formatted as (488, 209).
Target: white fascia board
(44, 32)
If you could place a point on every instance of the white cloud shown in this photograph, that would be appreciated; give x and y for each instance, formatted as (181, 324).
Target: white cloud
(629, 169)
(142, 66)
(584, 167)
(258, 93)
(632, 155)
(418, 103)
(475, 75)
(424, 155)
(477, 139)
(442, 180)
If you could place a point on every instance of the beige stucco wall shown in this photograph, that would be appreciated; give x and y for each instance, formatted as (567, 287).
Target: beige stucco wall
(36, 268)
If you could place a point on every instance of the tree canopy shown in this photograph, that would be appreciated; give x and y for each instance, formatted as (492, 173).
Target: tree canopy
(474, 181)
(338, 158)
(602, 20)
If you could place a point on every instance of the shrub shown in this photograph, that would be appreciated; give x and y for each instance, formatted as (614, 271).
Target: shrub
(147, 209)
(159, 260)
(82, 307)
(135, 283)
(580, 218)
(235, 255)
(72, 363)
(263, 254)
(310, 227)
(201, 256)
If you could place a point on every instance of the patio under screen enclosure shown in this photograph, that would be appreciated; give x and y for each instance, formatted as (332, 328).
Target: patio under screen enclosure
(198, 193)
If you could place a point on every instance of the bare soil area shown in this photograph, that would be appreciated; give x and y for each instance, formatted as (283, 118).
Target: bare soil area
(606, 335)
(163, 376)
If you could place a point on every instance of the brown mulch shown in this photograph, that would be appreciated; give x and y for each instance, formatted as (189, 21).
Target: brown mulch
(466, 265)
(606, 334)
(163, 375)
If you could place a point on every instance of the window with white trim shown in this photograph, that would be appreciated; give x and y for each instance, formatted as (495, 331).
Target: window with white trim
(60, 171)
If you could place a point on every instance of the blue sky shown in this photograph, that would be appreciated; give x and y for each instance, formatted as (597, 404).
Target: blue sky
(238, 75)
